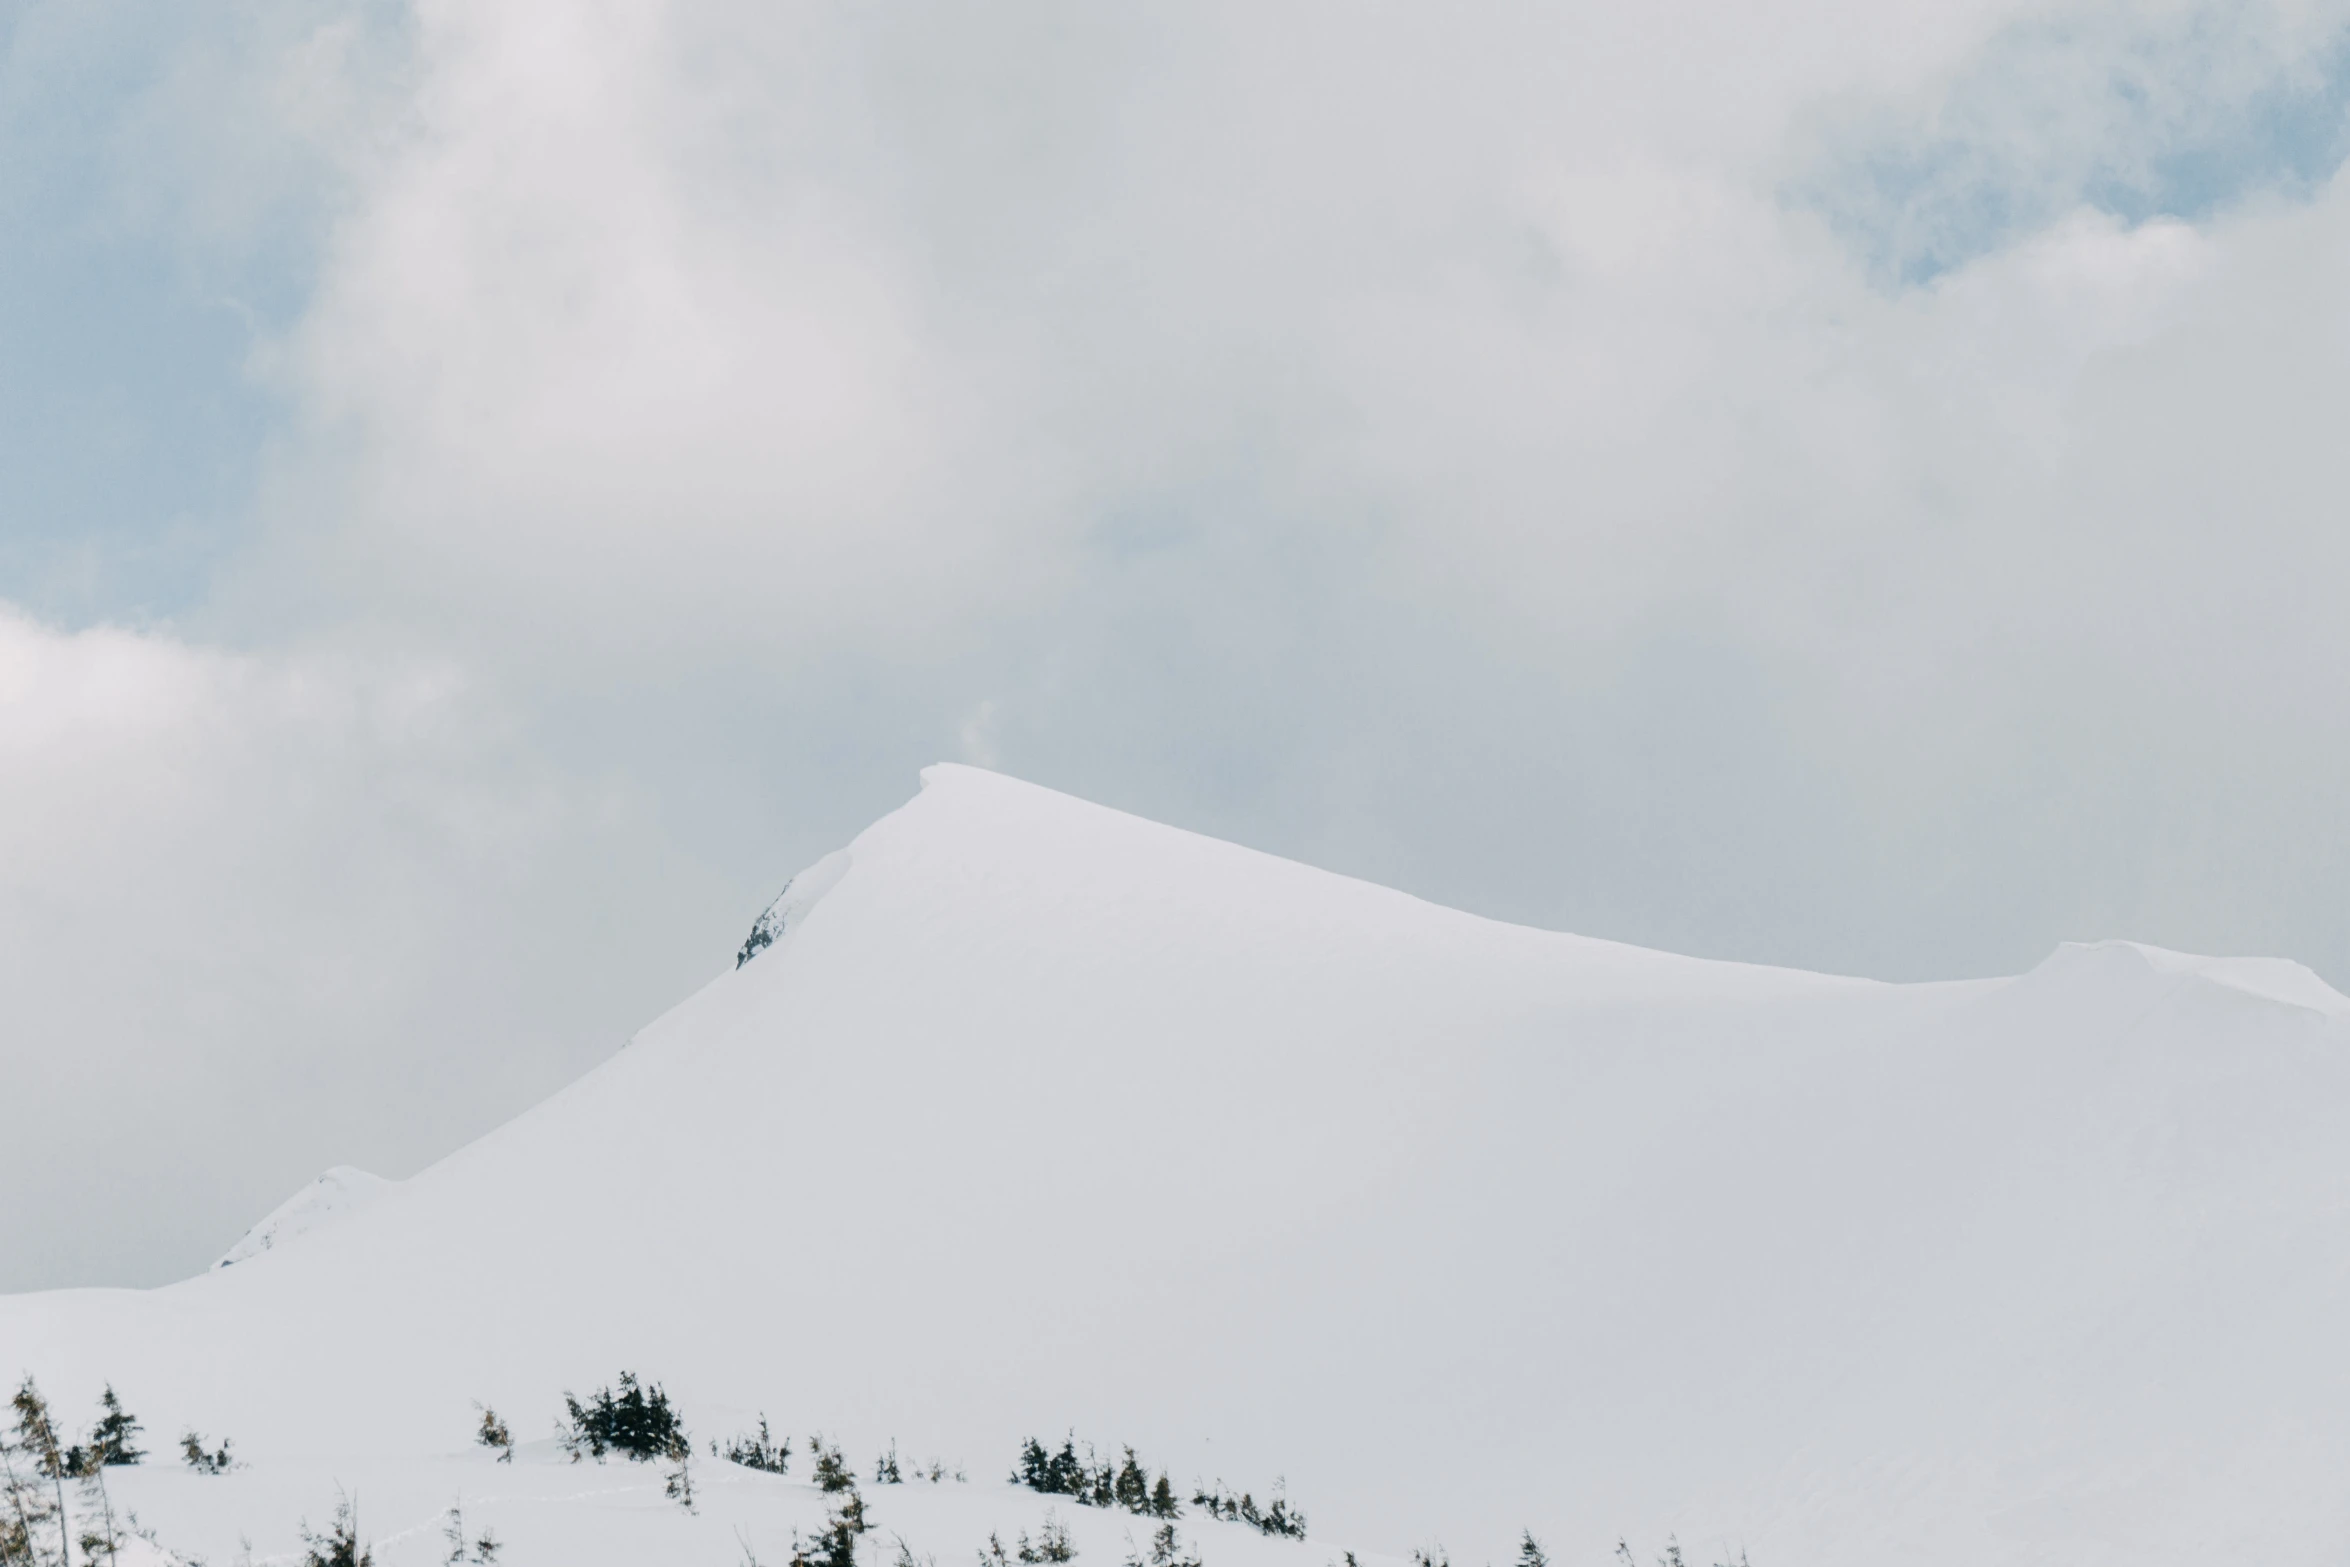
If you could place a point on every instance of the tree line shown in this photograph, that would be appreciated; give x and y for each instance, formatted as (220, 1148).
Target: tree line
(636, 1420)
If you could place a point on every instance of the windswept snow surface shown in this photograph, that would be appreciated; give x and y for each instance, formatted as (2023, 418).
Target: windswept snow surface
(1046, 1116)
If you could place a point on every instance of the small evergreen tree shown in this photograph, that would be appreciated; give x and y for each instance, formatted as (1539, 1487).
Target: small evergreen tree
(1034, 1466)
(832, 1471)
(636, 1421)
(113, 1440)
(1280, 1518)
(678, 1485)
(1163, 1503)
(835, 1545)
(1052, 1543)
(36, 1442)
(1132, 1487)
(493, 1432)
(992, 1553)
(1166, 1550)
(467, 1549)
(761, 1452)
(101, 1536)
(214, 1462)
(885, 1468)
(1530, 1552)
(339, 1546)
(24, 1526)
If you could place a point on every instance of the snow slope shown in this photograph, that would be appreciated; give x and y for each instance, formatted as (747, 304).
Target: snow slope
(1044, 1116)
(339, 1191)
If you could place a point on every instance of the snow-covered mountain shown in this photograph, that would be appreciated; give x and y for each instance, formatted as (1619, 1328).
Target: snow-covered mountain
(1033, 1115)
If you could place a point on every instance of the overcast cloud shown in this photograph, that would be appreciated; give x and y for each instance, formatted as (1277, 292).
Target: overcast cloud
(488, 492)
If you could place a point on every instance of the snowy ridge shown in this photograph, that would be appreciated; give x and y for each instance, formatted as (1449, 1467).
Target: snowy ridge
(1055, 1118)
(2271, 979)
(791, 905)
(340, 1191)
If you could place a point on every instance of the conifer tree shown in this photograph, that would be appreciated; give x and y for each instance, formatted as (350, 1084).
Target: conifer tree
(467, 1549)
(494, 1433)
(1163, 1503)
(832, 1472)
(212, 1463)
(1530, 1552)
(637, 1421)
(36, 1440)
(835, 1545)
(1035, 1468)
(113, 1438)
(101, 1535)
(339, 1546)
(761, 1452)
(1166, 1550)
(24, 1526)
(1131, 1488)
(1052, 1544)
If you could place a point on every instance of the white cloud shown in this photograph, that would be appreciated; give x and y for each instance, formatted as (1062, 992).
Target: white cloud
(260, 914)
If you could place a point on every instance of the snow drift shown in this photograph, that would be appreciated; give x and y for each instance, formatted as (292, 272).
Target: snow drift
(1044, 1116)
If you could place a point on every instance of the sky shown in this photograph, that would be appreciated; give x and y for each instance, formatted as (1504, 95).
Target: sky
(486, 493)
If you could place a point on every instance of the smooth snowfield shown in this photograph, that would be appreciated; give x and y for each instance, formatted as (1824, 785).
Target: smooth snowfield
(1040, 1116)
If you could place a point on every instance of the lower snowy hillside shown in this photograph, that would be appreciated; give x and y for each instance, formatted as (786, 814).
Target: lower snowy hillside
(1028, 1116)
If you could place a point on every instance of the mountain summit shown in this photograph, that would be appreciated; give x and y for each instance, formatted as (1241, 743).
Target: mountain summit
(1029, 1115)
